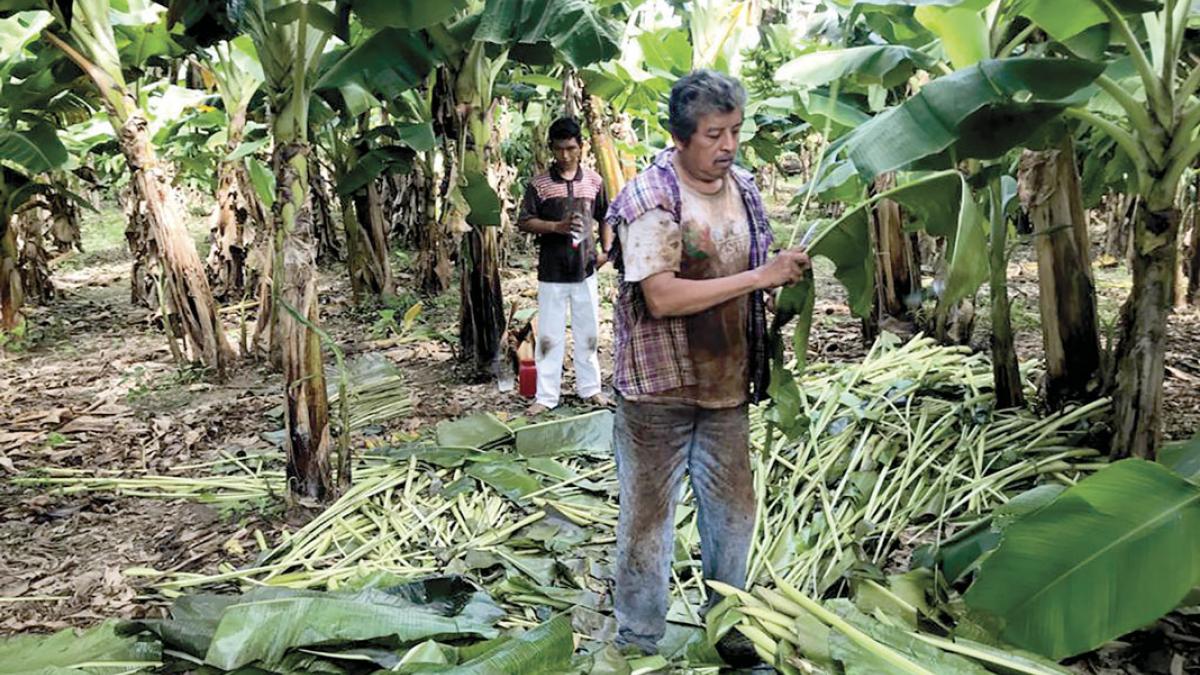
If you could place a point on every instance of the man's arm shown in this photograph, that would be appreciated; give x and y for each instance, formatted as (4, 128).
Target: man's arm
(539, 226)
(667, 295)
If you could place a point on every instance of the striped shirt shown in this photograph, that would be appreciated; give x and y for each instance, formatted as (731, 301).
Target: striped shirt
(652, 355)
(551, 197)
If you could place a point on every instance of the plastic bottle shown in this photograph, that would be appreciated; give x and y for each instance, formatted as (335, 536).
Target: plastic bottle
(527, 377)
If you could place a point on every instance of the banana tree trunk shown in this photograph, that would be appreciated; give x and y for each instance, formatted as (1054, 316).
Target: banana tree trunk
(231, 220)
(371, 240)
(1005, 372)
(608, 163)
(434, 271)
(897, 274)
(329, 248)
(1050, 194)
(296, 313)
(481, 319)
(1193, 248)
(32, 261)
(12, 292)
(189, 297)
(1137, 400)
(64, 225)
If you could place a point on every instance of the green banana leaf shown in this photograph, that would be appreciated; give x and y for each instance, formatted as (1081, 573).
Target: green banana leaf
(887, 65)
(590, 431)
(961, 30)
(978, 112)
(1064, 19)
(666, 51)
(387, 63)
(506, 477)
(857, 660)
(575, 28)
(98, 650)
(1182, 457)
(374, 163)
(192, 623)
(547, 648)
(1110, 555)
(411, 14)
(266, 622)
(35, 149)
(481, 430)
(484, 203)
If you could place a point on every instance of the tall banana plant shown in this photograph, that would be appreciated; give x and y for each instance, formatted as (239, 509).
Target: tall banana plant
(237, 74)
(290, 38)
(83, 31)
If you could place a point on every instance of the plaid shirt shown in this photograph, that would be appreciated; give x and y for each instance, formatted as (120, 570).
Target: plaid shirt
(651, 354)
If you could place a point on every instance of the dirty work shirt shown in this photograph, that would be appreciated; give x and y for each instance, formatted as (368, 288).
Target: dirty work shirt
(711, 240)
(551, 197)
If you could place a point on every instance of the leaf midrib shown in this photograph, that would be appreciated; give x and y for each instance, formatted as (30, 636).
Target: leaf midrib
(1101, 551)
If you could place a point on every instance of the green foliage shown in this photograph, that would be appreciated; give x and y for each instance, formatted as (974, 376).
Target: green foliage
(887, 65)
(1089, 566)
(576, 29)
(980, 112)
(98, 650)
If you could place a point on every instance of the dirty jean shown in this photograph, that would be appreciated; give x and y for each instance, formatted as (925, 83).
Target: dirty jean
(655, 443)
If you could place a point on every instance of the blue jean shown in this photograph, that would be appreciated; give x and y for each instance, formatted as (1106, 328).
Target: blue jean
(655, 443)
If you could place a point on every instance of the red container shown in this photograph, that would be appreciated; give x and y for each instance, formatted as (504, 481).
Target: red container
(527, 377)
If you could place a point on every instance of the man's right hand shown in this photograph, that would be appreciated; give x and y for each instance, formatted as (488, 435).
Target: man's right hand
(563, 227)
(787, 267)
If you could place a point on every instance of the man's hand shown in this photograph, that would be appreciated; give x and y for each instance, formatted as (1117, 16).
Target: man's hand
(563, 227)
(787, 267)
(601, 259)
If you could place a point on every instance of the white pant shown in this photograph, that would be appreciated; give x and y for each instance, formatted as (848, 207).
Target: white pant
(584, 302)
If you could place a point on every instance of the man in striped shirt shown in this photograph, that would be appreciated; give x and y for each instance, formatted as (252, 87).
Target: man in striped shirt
(564, 207)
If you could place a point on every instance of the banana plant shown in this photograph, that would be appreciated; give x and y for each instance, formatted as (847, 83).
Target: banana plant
(95, 38)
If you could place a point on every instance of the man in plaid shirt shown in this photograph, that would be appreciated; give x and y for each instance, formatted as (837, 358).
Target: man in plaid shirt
(690, 349)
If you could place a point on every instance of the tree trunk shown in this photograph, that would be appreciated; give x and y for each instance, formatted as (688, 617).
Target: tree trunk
(64, 219)
(897, 273)
(481, 320)
(231, 219)
(145, 271)
(608, 163)
(434, 271)
(1193, 248)
(324, 230)
(306, 407)
(1124, 213)
(185, 285)
(1049, 188)
(12, 293)
(371, 239)
(32, 260)
(1137, 401)
(1005, 372)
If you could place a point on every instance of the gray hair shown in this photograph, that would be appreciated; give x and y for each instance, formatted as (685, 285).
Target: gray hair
(701, 93)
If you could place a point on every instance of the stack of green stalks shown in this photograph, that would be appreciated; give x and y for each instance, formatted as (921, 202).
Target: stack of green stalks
(899, 450)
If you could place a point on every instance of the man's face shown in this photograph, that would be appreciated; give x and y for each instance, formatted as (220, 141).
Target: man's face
(709, 153)
(566, 153)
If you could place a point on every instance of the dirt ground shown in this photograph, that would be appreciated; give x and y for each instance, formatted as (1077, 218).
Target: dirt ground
(95, 388)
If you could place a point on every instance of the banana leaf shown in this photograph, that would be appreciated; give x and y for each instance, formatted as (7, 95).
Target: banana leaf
(979, 112)
(1064, 19)
(483, 201)
(547, 648)
(506, 477)
(388, 63)
(266, 622)
(590, 431)
(102, 649)
(1182, 457)
(1110, 555)
(35, 150)
(192, 623)
(961, 30)
(405, 13)
(857, 660)
(574, 28)
(480, 431)
(887, 65)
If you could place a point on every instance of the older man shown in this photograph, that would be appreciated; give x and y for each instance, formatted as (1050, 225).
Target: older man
(690, 349)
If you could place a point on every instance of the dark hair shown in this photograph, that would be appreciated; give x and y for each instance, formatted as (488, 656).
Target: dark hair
(565, 128)
(700, 93)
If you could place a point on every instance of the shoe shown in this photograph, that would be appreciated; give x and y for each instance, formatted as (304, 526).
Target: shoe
(737, 650)
(535, 409)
